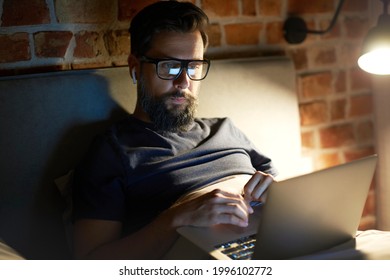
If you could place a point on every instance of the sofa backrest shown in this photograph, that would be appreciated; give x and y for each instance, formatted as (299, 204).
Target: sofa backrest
(48, 120)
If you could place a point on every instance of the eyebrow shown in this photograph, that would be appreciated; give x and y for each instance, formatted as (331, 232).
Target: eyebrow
(171, 57)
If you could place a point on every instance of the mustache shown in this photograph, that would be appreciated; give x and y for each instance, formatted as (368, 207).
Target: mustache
(175, 94)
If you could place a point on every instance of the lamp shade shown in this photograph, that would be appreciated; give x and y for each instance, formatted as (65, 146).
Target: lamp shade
(375, 56)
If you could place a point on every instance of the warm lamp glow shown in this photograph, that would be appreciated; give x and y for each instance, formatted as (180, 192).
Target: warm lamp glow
(375, 56)
(376, 61)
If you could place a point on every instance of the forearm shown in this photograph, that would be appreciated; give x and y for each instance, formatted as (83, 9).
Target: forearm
(154, 240)
(151, 242)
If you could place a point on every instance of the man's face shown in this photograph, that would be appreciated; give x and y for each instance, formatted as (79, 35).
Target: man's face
(170, 104)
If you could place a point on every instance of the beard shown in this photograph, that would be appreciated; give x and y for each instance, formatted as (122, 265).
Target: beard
(167, 118)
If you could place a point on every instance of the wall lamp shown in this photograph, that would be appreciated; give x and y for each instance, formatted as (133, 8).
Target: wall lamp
(375, 56)
(295, 29)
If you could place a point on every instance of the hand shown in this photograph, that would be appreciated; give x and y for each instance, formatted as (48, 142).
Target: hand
(256, 186)
(215, 207)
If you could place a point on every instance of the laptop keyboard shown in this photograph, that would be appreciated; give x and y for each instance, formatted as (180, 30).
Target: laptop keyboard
(239, 249)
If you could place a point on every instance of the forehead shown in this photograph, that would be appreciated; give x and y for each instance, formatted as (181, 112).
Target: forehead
(169, 44)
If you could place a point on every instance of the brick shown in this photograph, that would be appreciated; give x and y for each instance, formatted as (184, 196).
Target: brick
(88, 45)
(86, 11)
(315, 85)
(270, 7)
(274, 33)
(360, 80)
(299, 57)
(215, 8)
(356, 28)
(337, 136)
(313, 113)
(361, 105)
(307, 139)
(243, 34)
(355, 5)
(333, 33)
(248, 7)
(365, 131)
(338, 109)
(91, 65)
(15, 47)
(300, 7)
(357, 153)
(341, 82)
(52, 43)
(215, 35)
(324, 56)
(325, 160)
(350, 53)
(127, 9)
(25, 12)
(119, 61)
(117, 42)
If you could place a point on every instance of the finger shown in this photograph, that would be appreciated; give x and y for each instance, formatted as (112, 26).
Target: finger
(253, 182)
(232, 220)
(224, 204)
(261, 188)
(226, 198)
(237, 210)
(226, 217)
(228, 214)
(213, 208)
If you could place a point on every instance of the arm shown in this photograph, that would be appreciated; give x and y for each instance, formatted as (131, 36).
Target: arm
(155, 239)
(151, 242)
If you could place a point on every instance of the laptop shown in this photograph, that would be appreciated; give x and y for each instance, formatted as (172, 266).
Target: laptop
(302, 215)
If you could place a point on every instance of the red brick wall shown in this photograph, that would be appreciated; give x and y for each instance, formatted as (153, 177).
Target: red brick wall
(334, 95)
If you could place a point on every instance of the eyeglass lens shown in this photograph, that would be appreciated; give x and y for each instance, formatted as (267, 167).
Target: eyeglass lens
(169, 69)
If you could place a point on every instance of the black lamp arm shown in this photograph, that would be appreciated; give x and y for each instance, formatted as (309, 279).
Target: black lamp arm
(295, 29)
(333, 21)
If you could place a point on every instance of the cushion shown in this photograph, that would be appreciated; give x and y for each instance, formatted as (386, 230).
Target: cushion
(64, 186)
(7, 253)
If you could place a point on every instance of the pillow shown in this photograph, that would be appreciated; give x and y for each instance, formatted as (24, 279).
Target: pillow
(7, 253)
(64, 185)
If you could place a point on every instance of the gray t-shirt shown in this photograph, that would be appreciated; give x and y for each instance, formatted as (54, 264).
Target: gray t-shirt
(133, 172)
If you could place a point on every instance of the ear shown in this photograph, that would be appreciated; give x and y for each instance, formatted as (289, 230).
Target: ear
(133, 67)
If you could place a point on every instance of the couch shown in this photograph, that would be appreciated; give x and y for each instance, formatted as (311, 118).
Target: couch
(48, 120)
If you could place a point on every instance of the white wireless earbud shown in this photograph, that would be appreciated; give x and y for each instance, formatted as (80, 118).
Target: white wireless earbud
(133, 76)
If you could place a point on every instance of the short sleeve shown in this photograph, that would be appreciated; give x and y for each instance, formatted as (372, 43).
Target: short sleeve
(98, 186)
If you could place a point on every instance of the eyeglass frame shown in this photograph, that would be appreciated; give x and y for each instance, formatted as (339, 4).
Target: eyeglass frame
(183, 64)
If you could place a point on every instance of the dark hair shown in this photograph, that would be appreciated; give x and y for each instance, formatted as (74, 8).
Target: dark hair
(165, 16)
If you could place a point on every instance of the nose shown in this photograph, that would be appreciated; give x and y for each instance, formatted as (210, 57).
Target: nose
(182, 81)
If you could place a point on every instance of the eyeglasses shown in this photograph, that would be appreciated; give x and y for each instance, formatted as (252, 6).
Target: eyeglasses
(170, 69)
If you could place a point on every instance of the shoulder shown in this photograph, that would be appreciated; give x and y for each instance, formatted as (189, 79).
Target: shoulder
(106, 144)
(119, 129)
(223, 126)
(211, 122)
